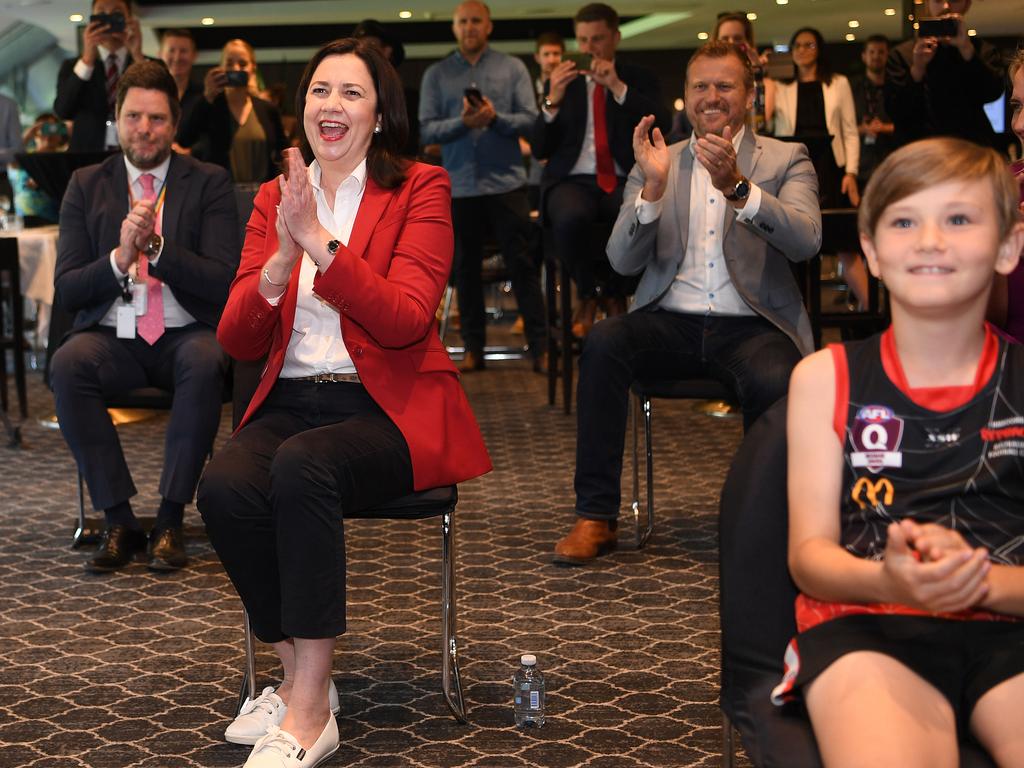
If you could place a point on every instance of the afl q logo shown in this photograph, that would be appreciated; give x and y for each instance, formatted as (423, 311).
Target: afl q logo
(876, 436)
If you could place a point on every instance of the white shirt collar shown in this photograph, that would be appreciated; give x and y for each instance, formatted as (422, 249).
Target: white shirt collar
(160, 172)
(121, 53)
(735, 141)
(354, 183)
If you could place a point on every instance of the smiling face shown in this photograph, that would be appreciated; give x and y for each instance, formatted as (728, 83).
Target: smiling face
(179, 54)
(715, 94)
(471, 25)
(341, 112)
(145, 127)
(938, 249)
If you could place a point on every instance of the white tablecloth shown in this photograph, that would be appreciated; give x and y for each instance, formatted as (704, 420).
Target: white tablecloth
(37, 259)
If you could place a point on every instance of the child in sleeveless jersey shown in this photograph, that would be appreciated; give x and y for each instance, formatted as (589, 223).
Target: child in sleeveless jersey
(906, 484)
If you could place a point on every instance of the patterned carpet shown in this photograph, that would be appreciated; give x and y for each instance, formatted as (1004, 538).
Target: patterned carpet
(142, 669)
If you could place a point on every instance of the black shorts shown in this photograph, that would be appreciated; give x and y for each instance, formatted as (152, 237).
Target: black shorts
(962, 659)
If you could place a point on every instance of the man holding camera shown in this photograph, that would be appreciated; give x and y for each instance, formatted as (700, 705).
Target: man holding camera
(938, 83)
(87, 86)
(476, 103)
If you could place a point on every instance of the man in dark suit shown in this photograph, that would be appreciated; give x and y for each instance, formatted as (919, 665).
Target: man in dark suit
(148, 249)
(86, 86)
(585, 132)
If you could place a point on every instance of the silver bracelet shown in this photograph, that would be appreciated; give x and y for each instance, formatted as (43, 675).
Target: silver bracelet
(266, 276)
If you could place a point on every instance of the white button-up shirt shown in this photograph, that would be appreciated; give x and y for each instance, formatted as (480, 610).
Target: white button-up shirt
(316, 344)
(586, 163)
(703, 286)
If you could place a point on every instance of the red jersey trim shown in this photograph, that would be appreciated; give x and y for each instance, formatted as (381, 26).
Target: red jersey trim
(842, 390)
(940, 399)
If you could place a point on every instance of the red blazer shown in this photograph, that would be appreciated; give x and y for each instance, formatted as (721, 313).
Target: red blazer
(386, 285)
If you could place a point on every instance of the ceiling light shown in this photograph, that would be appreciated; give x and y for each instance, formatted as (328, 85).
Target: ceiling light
(76, 17)
(889, 11)
(850, 37)
(405, 14)
(853, 23)
(702, 35)
(782, 2)
(972, 32)
(679, 105)
(751, 16)
(207, 21)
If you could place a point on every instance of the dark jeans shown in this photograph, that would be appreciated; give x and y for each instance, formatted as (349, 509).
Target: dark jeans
(94, 365)
(274, 501)
(571, 208)
(507, 216)
(749, 355)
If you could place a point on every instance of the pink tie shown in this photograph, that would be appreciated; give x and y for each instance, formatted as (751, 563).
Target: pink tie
(151, 324)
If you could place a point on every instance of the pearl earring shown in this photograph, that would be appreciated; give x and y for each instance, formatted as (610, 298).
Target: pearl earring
(377, 129)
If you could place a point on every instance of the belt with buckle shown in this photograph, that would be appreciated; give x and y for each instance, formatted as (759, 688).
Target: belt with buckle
(329, 378)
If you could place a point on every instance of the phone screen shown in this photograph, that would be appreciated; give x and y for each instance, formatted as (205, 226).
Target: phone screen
(943, 27)
(474, 97)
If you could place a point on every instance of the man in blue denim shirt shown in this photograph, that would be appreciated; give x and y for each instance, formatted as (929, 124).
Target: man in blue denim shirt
(476, 103)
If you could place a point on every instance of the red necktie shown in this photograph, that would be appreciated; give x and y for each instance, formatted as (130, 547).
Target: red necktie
(151, 324)
(605, 165)
(113, 73)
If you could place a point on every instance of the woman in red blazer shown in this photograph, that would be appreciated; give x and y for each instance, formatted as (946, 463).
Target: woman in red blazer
(343, 266)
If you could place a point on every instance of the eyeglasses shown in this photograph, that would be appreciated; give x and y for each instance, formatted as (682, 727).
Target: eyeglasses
(807, 46)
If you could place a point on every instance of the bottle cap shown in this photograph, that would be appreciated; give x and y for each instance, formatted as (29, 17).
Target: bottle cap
(528, 660)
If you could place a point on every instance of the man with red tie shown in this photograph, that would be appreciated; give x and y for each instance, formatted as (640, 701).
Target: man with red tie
(87, 86)
(148, 248)
(585, 132)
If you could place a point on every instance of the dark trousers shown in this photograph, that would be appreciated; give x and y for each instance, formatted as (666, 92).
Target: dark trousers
(274, 501)
(94, 365)
(749, 355)
(507, 216)
(571, 208)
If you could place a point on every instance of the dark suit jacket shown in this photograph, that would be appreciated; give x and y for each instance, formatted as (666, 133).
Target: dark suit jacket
(214, 123)
(200, 253)
(85, 102)
(560, 141)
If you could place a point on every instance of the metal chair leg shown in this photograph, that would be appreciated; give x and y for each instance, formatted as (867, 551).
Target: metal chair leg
(634, 412)
(643, 536)
(451, 681)
(87, 531)
(446, 312)
(248, 688)
(728, 743)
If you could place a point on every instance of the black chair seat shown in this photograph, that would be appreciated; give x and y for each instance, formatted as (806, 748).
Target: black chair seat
(681, 389)
(416, 506)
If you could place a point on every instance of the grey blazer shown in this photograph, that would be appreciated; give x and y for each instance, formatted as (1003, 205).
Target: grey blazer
(787, 226)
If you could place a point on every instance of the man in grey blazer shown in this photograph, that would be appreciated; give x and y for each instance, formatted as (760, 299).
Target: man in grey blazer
(712, 224)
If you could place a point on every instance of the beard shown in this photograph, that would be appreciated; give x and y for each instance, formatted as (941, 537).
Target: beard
(145, 160)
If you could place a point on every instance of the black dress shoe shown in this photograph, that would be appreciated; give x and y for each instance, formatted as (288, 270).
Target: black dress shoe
(117, 548)
(167, 549)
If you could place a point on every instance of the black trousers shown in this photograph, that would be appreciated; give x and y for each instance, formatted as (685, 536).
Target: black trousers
(274, 501)
(749, 355)
(571, 207)
(507, 216)
(94, 365)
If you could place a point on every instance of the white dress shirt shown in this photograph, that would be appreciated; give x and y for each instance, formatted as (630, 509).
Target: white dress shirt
(586, 163)
(84, 72)
(175, 315)
(702, 286)
(316, 344)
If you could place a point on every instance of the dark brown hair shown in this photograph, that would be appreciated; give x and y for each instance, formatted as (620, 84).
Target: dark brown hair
(822, 64)
(550, 38)
(741, 18)
(186, 33)
(931, 162)
(384, 161)
(153, 76)
(719, 49)
(598, 12)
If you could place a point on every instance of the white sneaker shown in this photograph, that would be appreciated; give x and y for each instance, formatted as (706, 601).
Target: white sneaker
(279, 749)
(257, 715)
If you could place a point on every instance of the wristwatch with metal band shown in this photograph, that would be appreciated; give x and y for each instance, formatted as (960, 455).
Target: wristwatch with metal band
(739, 192)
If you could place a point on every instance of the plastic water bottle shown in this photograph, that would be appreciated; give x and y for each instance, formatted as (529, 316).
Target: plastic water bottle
(529, 693)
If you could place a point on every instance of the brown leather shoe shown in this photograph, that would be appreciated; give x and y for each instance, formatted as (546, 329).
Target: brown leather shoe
(584, 319)
(587, 540)
(472, 361)
(540, 363)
